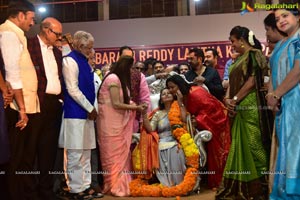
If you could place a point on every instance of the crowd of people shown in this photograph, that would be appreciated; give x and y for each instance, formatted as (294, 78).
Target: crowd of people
(67, 127)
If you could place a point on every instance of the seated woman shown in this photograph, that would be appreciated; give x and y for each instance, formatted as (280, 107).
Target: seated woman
(178, 154)
(210, 114)
(171, 157)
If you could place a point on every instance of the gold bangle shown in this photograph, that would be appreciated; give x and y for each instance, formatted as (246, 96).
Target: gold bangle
(273, 95)
(276, 97)
(224, 99)
(270, 93)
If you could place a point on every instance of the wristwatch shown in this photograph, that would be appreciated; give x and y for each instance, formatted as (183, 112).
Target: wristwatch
(235, 98)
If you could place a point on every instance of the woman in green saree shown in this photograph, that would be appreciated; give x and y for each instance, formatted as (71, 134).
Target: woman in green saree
(247, 162)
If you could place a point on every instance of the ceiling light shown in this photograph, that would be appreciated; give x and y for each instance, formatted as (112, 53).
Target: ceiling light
(42, 9)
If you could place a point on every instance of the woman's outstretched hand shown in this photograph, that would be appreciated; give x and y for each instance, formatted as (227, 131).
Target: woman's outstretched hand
(142, 108)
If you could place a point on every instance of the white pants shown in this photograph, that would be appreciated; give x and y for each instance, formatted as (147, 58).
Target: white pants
(78, 169)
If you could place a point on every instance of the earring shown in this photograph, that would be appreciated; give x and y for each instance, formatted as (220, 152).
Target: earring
(242, 45)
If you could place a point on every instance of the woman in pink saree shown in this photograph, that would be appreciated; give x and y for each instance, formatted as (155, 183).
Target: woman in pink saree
(115, 127)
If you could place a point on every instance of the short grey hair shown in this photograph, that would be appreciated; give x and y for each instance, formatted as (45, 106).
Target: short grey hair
(82, 38)
(93, 50)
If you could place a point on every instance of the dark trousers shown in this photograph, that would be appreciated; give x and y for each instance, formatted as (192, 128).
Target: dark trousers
(18, 139)
(4, 143)
(40, 150)
(60, 184)
(3, 182)
(4, 150)
(97, 178)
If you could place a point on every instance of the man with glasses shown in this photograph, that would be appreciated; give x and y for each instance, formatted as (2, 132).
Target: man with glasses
(42, 142)
(57, 34)
(20, 73)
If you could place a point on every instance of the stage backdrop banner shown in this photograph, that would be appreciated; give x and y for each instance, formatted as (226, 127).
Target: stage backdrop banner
(168, 53)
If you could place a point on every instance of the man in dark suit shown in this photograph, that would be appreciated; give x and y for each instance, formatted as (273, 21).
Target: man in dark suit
(43, 140)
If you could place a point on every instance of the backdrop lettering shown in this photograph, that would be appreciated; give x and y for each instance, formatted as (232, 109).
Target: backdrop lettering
(169, 53)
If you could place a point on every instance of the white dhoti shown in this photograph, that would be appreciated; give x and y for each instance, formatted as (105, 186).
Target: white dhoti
(78, 169)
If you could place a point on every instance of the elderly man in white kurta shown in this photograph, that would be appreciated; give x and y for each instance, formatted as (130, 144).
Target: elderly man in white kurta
(78, 133)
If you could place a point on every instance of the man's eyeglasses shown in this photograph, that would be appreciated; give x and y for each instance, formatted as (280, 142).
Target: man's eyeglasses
(58, 35)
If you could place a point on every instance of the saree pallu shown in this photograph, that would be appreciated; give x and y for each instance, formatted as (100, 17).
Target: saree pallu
(115, 129)
(145, 155)
(287, 172)
(247, 160)
(135, 82)
(114, 146)
(273, 158)
(149, 150)
(211, 115)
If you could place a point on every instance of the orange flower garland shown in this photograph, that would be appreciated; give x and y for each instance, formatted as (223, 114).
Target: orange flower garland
(139, 187)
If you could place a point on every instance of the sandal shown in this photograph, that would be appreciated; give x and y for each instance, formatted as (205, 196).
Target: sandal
(91, 191)
(80, 196)
(63, 195)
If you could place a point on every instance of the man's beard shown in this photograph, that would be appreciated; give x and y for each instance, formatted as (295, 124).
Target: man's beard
(208, 64)
(194, 65)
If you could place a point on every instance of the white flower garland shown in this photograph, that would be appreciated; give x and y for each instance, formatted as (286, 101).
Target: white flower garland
(250, 38)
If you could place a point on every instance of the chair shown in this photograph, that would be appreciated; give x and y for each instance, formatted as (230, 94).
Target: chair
(199, 137)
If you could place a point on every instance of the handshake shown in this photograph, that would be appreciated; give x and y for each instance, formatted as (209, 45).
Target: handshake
(142, 108)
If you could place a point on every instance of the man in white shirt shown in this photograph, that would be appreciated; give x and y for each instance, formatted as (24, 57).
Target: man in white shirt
(14, 52)
(43, 140)
(20, 72)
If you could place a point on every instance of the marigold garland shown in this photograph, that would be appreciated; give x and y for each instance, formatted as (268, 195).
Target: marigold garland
(139, 187)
